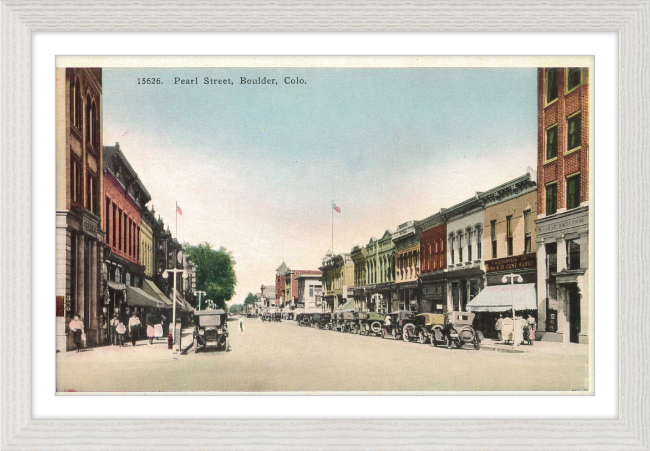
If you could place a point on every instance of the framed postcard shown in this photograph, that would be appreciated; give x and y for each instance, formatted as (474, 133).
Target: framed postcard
(261, 233)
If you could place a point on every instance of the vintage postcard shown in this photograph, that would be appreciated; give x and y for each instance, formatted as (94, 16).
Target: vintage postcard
(365, 225)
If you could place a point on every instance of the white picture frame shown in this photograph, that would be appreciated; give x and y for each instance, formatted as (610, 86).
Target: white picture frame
(631, 19)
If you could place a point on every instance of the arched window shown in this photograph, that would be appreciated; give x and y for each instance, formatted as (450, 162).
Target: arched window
(88, 117)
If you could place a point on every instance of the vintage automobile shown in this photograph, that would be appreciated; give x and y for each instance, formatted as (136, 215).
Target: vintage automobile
(393, 328)
(423, 326)
(304, 319)
(372, 323)
(325, 321)
(457, 331)
(315, 319)
(210, 330)
(277, 316)
(349, 322)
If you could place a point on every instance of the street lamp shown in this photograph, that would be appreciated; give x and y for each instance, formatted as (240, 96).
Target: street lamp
(512, 300)
(166, 274)
(199, 293)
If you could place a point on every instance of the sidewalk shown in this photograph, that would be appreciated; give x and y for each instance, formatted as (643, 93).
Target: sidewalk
(538, 347)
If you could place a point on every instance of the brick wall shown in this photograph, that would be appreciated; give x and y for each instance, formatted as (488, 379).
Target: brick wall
(114, 195)
(433, 260)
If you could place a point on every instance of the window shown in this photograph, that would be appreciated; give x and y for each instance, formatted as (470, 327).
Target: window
(91, 194)
(460, 248)
(551, 84)
(76, 186)
(527, 233)
(572, 254)
(451, 244)
(469, 245)
(107, 209)
(509, 235)
(88, 116)
(551, 142)
(119, 230)
(574, 139)
(311, 292)
(573, 192)
(479, 241)
(551, 198)
(493, 233)
(573, 78)
(114, 223)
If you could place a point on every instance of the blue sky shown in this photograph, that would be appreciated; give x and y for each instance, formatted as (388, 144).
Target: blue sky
(256, 167)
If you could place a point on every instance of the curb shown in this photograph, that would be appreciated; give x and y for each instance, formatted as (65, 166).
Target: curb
(497, 349)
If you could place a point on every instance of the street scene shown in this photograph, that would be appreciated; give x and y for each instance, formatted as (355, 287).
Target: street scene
(297, 229)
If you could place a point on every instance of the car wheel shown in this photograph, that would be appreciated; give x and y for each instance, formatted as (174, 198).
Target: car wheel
(376, 327)
(433, 341)
(448, 342)
(406, 332)
(477, 345)
(421, 338)
(459, 344)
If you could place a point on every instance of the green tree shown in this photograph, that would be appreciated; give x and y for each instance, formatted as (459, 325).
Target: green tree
(215, 272)
(236, 309)
(251, 299)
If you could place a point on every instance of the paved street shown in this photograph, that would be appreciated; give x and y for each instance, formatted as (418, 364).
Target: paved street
(284, 357)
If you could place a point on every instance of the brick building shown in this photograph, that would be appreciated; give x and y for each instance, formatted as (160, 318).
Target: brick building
(79, 228)
(407, 265)
(433, 263)
(563, 203)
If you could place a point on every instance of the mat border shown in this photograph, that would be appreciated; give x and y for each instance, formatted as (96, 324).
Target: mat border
(630, 19)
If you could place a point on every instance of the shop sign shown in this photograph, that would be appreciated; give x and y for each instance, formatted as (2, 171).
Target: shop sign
(516, 262)
(561, 225)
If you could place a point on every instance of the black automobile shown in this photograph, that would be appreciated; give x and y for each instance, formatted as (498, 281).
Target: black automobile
(325, 321)
(210, 330)
(393, 328)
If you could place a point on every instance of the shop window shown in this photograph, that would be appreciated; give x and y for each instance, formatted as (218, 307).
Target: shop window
(572, 254)
(551, 198)
(573, 78)
(509, 241)
(551, 258)
(574, 138)
(551, 84)
(528, 240)
(76, 185)
(573, 192)
(493, 235)
(451, 244)
(473, 289)
(551, 142)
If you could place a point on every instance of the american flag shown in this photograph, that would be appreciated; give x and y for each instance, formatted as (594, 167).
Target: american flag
(337, 209)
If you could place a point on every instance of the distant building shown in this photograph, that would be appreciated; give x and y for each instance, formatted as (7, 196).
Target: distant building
(79, 203)
(338, 278)
(407, 265)
(381, 295)
(280, 274)
(433, 264)
(310, 288)
(286, 284)
(358, 256)
(563, 203)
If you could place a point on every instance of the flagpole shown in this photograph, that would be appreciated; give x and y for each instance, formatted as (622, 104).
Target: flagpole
(332, 226)
(176, 220)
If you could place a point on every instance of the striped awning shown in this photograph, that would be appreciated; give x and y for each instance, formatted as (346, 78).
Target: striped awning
(136, 297)
(499, 298)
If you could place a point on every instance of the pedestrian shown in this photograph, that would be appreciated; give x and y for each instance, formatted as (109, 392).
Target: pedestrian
(134, 325)
(158, 328)
(151, 333)
(499, 327)
(113, 324)
(121, 330)
(78, 333)
(241, 324)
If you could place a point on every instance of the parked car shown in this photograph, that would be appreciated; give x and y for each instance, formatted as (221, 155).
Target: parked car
(424, 325)
(372, 323)
(325, 321)
(277, 316)
(304, 319)
(210, 330)
(394, 327)
(457, 331)
(349, 322)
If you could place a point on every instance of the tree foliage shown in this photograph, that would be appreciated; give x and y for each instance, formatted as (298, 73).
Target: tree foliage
(236, 309)
(215, 272)
(251, 299)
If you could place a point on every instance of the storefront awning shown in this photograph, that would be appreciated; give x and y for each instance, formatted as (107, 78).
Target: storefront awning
(499, 298)
(136, 297)
(182, 303)
(152, 289)
(116, 285)
(348, 306)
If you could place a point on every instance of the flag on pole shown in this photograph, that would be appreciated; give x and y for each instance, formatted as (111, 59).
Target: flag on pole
(337, 209)
(178, 210)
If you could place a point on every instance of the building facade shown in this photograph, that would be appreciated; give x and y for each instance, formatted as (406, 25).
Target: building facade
(147, 220)
(380, 292)
(358, 256)
(79, 222)
(407, 265)
(433, 264)
(563, 203)
(465, 268)
(124, 198)
(337, 280)
(280, 282)
(310, 288)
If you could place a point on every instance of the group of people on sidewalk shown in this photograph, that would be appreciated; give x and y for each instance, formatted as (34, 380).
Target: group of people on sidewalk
(118, 330)
(522, 326)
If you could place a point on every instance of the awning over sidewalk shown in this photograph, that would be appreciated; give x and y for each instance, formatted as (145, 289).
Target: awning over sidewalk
(347, 307)
(499, 298)
(152, 289)
(116, 285)
(182, 303)
(136, 297)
